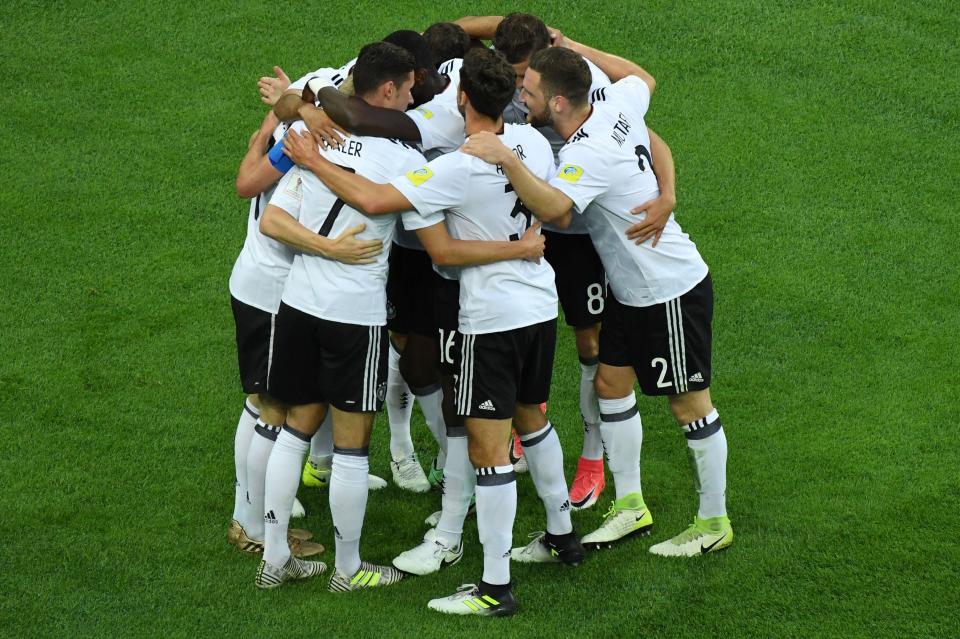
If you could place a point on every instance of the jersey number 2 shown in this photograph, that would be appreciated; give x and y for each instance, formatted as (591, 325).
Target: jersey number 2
(334, 210)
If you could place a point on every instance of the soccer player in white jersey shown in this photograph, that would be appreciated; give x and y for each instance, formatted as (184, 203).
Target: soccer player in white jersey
(657, 325)
(256, 283)
(508, 316)
(331, 344)
(409, 318)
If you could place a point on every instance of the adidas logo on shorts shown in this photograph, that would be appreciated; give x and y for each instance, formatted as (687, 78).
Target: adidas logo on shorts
(696, 377)
(487, 405)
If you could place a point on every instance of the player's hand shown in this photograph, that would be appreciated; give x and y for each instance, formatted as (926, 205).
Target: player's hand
(488, 147)
(300, 148)
(271, 88)
(557, 38)
(658, 212)
(326, 132)
(349, 250)
(534, 243)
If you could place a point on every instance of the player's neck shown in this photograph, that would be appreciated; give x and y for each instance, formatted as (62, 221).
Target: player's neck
(374, 99)
(568, 124)
(476, 122)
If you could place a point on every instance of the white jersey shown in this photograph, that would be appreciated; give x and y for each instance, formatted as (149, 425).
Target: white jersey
(605, 168)
(325, 288)
(517, 112)
(261, 268)
(481, 205)
(441, 131)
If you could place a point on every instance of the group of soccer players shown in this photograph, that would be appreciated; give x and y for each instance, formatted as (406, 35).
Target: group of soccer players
(370, 274)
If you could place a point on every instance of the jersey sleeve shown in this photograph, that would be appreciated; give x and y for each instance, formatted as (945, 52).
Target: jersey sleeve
(582, 175)
(326, 73)
(438, 185)
(440, 127)
(629, 93)
(278, 160)
(289, 193)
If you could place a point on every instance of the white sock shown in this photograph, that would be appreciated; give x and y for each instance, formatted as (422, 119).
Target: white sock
(545, 456)
(496, 510)
(260, 447)
(399, 403)
(241, 446)
(348, 503)
(283, 478)
(590, 410)
(622, 437)
(459, 483)
(321, 446)
(708, 445)
(431, 404)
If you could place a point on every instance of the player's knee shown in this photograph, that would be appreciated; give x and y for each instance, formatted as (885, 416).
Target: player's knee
(588, 341)
(691, 406)
(529, 418)
(607, 388)
(485, 454)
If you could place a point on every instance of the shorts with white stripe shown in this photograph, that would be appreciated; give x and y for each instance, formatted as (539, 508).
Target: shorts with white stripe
(254, 344)
(668, 345)
(500, 370)
(317, 360)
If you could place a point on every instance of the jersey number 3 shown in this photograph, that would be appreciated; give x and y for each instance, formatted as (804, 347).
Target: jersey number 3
(518, 209)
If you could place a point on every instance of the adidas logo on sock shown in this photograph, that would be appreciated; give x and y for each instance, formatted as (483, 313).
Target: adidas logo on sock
(270, 518)
(565, 507)
(487, 405)
(696, 377)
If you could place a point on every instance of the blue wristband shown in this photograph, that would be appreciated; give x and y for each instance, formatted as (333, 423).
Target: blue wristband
(279, 161)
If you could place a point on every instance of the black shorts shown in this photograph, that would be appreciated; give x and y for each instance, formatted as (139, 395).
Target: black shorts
(581, 284)
(410, 285)
(316, 360)
(446, 310)
(254, 340)
(668, 345)
(500, 370)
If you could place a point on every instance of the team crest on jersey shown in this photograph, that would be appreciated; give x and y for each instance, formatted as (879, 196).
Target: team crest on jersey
(570, 172)
(427, 113)
(419, 176)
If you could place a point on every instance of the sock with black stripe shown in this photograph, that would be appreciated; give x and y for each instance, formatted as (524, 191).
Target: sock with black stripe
(622, 437)
(399, 403)
(283, 478)
(708, 447)
(496, 510)
(241, 447)
(545, 457)
(260, 447)
(431, 405)
(590, 410)
(348, 504)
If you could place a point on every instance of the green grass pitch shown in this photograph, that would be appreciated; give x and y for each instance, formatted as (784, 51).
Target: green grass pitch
(818, 158)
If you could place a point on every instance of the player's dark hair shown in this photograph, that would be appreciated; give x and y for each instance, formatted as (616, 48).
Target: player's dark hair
(488, 80)
(447, 41)
(562, 72)
(520, 35)
(380, 62)
(416, 44)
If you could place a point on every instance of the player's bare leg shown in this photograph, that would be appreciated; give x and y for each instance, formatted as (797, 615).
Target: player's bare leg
(622, 434)
(589, 480)
(711, 530)
(541, 447)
